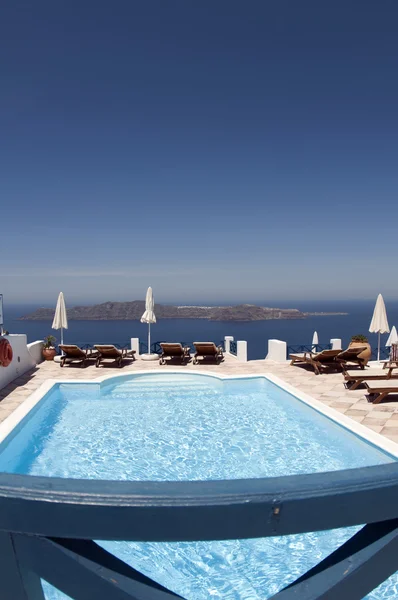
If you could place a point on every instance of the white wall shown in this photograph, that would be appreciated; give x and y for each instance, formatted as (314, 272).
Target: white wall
(135, 345)
(24, 359)
(35, 349)
(277, 350)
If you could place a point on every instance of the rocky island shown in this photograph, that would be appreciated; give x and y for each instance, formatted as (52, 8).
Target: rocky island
(126, 311)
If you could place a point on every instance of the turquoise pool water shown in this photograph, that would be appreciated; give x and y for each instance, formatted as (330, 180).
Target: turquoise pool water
(186, 427)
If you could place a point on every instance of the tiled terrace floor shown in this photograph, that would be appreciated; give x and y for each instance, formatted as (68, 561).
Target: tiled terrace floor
(328, 388)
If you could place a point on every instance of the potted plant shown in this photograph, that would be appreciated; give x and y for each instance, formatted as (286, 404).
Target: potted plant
(49, 350)
(358, 341)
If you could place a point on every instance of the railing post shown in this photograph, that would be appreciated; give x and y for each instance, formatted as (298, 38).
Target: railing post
(135, 345)
(277, 351)
(241, 351)
(17, 583)
(336, 344)
(227, 341)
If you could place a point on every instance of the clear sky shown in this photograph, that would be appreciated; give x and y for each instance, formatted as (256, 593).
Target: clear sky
(216, 150)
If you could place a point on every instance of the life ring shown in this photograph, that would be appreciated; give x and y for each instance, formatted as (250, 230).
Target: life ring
(6, 353)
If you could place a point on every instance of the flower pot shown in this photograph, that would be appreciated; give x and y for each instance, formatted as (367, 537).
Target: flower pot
(49, 353)
(366, 354)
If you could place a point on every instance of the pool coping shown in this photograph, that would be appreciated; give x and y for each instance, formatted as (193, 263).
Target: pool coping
(381, 442)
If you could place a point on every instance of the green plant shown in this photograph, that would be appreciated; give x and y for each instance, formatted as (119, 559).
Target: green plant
(49, 341)
(359, 338)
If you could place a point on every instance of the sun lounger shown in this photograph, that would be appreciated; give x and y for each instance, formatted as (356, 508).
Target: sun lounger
(110, 353)
(72, 354)
(318, 361)
(208, 350)
(381, 389)
(356, 377)
(351, 355)
(174, 350)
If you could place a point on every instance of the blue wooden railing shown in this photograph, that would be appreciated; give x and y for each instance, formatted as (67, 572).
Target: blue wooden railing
(47, 528)
(308, 348)
(384, 353)
(233, 348)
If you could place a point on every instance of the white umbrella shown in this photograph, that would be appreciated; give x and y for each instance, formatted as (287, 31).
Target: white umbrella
(393, 337)
(60, 318)
(379, 323)
(149, 315)
(314, 341)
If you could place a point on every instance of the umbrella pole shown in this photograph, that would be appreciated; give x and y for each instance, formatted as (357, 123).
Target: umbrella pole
(378, 349)
(149, 338)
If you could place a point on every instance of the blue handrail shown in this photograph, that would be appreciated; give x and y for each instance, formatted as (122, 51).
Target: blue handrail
(48, 526)
(308, 348)
(233, 348)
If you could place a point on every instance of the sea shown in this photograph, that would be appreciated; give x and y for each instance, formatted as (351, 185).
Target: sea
(256, 333)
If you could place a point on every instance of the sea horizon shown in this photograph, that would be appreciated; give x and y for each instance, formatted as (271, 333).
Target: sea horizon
(256, 333)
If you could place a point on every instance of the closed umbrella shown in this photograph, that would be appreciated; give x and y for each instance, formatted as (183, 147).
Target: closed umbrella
(379, 323)
(314, 341)
(60, 318)
(149, 317)
(393, 337)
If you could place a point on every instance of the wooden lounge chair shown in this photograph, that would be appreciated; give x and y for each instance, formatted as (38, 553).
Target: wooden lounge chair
(358, 376)
(381, 389)
(351, 355)
(318, 361)
(174, 350)
(75, 355)
(111, 353)
(208, 350)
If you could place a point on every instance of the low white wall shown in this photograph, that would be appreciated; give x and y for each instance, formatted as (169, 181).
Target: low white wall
(277, 351)
(35, 349)
(241, 351)
(336, 343)
(23, 360)
(227, 341)
(135, 345)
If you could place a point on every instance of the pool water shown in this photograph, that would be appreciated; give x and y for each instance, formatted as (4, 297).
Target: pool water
(186, 427)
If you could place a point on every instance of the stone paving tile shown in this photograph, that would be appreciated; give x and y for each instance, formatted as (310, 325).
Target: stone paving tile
(378, 414)
(340, 403)
(376, 428)
(391, 424)
(389, 431)
(358, 419)
(353, 412)
(339, 408)
(369, 421)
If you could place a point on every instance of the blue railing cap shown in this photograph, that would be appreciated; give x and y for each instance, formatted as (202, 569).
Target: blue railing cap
(197, 510)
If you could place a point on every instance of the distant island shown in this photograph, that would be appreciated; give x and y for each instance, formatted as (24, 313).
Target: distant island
(131, 311)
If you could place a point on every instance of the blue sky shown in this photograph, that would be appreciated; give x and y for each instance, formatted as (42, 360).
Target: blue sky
(218, 151)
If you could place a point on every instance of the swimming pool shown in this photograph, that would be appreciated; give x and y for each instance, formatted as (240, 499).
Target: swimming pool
(186, 427)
